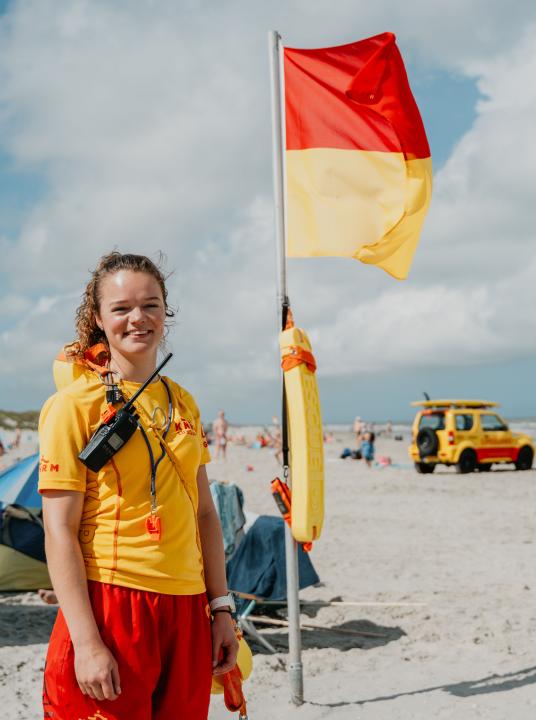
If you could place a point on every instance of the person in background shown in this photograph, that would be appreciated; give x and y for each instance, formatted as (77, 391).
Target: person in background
(358, 429)
(220, 427)
(277, 440)
(367, 446)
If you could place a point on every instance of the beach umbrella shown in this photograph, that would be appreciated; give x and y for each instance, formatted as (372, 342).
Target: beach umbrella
(18, 484)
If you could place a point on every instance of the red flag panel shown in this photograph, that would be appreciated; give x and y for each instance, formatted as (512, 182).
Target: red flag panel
(354, 96)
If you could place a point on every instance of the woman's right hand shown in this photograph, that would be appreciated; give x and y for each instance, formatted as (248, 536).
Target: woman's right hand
(97, 672)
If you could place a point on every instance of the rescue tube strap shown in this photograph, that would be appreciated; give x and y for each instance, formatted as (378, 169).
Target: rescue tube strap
(95, 358)
(288, 321)
(233, 695)
(295, 355)
(94, 353)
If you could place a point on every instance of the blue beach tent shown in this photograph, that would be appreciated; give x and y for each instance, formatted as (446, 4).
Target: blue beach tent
(18, 484)
(21, 542)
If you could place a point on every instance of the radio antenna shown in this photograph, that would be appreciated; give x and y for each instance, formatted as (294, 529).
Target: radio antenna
(149, 380)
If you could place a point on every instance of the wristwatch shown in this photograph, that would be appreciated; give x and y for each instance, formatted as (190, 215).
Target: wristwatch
(222, 602)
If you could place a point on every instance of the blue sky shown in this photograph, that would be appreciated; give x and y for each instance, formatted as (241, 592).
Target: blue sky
(109, 139)
(447, 103)
(19, 191)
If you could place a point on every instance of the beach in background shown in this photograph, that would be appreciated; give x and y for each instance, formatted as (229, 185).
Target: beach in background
(440, 569)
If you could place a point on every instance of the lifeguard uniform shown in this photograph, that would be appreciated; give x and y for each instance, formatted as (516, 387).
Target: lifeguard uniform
(147, 593)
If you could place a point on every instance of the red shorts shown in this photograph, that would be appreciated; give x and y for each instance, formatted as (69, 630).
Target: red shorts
(163, 646)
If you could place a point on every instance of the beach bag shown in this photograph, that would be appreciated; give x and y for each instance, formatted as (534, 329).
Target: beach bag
(22, 550)
(22, 530)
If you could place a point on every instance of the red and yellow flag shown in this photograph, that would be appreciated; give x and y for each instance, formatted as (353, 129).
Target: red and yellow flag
(359, 171)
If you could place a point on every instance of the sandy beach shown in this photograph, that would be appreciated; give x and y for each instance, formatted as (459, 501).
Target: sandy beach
(443, 566)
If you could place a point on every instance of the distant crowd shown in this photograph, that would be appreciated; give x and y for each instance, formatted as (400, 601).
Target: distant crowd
(219, 437)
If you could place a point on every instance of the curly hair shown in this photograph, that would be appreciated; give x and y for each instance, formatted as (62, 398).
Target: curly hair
(89, 333)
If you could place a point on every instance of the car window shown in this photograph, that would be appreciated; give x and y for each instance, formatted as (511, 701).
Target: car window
(464, 421)
(435, 421)
(492, 422)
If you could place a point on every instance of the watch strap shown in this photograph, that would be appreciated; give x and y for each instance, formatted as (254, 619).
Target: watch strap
(222, 601)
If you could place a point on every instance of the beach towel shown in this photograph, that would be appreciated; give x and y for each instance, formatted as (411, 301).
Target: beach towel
(229, 503)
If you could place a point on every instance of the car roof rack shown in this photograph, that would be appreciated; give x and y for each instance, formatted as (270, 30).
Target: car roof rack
(442, 404)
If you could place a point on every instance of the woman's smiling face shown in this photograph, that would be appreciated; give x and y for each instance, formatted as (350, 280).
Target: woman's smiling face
(131, 312)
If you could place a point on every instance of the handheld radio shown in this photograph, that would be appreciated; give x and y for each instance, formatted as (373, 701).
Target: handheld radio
(116, 431)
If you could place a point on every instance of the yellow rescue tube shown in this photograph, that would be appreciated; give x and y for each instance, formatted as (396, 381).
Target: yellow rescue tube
(244, 661)
(306, 439)
(66, 372)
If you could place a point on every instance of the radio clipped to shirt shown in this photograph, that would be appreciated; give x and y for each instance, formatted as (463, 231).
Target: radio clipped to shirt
(113, 434)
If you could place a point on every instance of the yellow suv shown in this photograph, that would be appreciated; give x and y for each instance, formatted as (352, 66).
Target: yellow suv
(468, 434)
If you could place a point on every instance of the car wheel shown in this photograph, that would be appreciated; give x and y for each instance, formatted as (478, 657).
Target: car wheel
(525, 458)
(427, 442)
(467, 462)
(424, 468)
(484, 467)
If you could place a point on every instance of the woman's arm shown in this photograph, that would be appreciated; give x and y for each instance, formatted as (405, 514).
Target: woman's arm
(95, 667)
(223, 636)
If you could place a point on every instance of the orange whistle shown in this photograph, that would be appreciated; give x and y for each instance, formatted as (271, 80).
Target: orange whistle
(154, 527)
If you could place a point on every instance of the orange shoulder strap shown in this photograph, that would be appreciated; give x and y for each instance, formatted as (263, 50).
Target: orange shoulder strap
(95, 358)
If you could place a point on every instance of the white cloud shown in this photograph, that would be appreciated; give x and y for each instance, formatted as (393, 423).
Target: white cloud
(30, 346)
(150, 124)
(14, 305)
(434, 326)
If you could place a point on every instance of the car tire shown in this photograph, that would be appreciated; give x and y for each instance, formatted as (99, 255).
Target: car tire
(484, 467)
(525, 458)
(424, 468)
(427, 442)
(467, 462)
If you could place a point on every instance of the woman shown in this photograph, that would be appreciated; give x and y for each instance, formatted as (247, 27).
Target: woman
(220, 427)
(135, 548)
(358, 432)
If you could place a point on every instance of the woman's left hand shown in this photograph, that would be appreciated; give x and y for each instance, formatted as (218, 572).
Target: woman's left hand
(224, 643)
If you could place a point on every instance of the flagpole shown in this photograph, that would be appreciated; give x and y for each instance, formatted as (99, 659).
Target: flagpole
(295, 668)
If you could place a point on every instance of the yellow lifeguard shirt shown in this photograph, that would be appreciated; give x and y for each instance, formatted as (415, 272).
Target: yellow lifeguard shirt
(116, 545)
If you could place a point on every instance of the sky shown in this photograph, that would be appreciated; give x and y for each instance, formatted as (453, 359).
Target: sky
(144, 126)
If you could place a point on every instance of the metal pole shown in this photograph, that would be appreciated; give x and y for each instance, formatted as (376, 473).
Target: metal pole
(274, 46)
(295, 668)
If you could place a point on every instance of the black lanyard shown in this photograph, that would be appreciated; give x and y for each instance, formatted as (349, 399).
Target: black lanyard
(154, 465)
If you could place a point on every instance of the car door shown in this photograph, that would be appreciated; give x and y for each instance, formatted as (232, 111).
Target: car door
(466, 430)
(497, 440)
